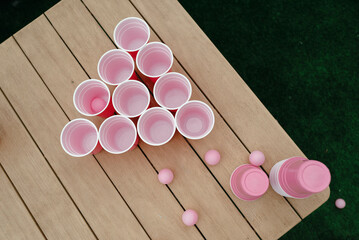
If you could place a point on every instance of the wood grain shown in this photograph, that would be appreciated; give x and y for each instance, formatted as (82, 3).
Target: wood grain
(155, 207)
(83, 178)
(15, 220)
(251, 121)
(37, 184)
(271, 216)
(190, 195)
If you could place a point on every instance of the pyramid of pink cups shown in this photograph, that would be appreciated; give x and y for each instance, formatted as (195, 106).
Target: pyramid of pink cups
(127, 111)
(129, 117)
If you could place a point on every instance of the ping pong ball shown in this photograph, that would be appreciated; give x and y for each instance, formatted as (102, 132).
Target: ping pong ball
(190, 217)
(212, 157)
(98, 104)
(340, 203)
(165, 176)
(256, 158)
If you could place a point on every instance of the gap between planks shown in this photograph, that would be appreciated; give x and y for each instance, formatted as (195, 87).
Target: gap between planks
(69, 120)
(32, 138)
(202, 92)
(17, 192)
(212, 105)
(152, 95)
(190, 145)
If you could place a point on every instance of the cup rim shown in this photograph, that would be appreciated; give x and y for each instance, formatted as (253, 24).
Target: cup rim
(115, 50)
(72, 121)
(160, 78)
(173, 121)
(239, 194)
(128, 18)
(84, 82)
(202, 136)
(148, 44)
(131, 123)
(148, 98)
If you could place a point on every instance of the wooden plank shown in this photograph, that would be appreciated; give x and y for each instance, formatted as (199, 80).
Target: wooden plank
(224, 214)
(214, 75)
(15, 220)
(36, 183)
(271, 216)
(86, 182)
(155, 207)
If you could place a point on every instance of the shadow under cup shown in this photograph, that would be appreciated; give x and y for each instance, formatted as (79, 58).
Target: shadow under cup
(118, 134)
(156, 126)
(194, 119)
(79, 138)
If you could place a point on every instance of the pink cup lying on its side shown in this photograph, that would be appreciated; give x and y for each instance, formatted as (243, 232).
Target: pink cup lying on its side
(118, 134)
(116, 66)
(156, 126)
(172, 90)
(298, 177)
(92, 98)
(131, 34)
(131, 98)
(154, 60)
(249, 182)
(194, 119)
(80, 137)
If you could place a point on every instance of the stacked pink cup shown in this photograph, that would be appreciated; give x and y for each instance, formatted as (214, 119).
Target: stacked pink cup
(298, 177)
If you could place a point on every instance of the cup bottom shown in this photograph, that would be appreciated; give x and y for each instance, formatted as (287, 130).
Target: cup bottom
(235, 187)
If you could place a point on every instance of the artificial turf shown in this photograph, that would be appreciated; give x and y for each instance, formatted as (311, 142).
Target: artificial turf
(301, 58)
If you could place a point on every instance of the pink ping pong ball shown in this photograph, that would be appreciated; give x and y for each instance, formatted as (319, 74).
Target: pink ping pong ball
(190, 217)
(256, 158)
(212, 157)
(98, 104)
(340, 203)
(165, 176)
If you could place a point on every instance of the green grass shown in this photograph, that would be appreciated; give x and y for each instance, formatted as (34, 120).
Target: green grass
(301, 58)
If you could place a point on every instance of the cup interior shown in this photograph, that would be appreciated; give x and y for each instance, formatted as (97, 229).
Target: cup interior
(131, 34)
(154, 59)
(172, 90)
(117, 134)
(91, 97)
(156, 126)
(131, 98)
(79, 137)
(195, 120)
(115, 67)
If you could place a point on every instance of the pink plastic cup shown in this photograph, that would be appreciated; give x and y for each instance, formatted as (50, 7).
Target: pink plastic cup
(131, 34)
(172, 90)
(298, 177)
(118, 134)
(249, 182)
(154, 60)
(93, 98)
(116, 66)
(131, 98)
(80, 137)
(195, 119)
(156, 126)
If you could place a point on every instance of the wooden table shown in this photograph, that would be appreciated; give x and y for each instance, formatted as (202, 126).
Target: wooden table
(44, 193)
